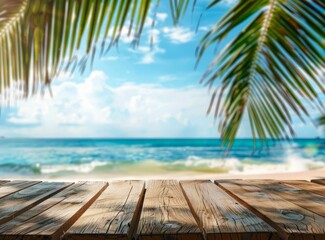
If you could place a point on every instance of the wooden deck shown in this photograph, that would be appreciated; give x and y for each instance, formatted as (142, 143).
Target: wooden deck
(163, 209)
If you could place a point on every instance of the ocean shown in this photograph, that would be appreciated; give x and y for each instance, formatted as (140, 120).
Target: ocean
(66, 157)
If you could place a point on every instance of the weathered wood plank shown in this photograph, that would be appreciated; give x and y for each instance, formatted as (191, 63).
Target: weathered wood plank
(15, 204)
(8, 188)
(220, 216)
(166, 214)
(51, 218)
(307, 186)
(38, 209)
(113, 215)
(310, 201)
(3, 182)
(319, 181)
(290, 220)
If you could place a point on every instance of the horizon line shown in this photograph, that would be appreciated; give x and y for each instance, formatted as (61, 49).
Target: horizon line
(151, 138)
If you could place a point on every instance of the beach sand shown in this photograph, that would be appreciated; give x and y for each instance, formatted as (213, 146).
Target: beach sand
(304, 175)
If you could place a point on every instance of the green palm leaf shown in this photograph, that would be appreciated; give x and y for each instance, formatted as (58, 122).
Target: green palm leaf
(321, 120)
(38, 36)
(270, 69)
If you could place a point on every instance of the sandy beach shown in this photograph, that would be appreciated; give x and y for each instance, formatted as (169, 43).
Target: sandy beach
(303, 175)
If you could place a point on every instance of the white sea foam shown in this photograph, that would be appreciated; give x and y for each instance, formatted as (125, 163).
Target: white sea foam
(228, 165)
(292, 162)
(197, 162)
(80, 168)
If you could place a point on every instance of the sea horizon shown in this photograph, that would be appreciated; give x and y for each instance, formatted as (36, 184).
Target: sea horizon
(156, 138)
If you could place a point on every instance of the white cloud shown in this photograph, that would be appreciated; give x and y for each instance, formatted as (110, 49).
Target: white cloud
(148, 22)
(126, 37)
(224, 3)
(161, 16)
(73, 103)
(167, 78)
(153, 36)
(148, 53)
(228, 2)
(109, 58)
(152, 31)
(63, 76)
(150, 34)
(205, 28)
(147, 59)
(21, 118)
(178, 35)
(95, 109)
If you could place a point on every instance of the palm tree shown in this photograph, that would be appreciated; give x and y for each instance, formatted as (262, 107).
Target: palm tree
(269, 71)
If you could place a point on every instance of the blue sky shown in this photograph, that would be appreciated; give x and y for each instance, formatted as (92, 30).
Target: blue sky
(129, 92)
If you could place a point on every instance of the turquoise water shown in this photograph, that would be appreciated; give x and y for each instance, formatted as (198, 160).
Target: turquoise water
(49, 157)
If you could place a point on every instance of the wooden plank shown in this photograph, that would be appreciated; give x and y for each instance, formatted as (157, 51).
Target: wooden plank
(113, 215)
(15, 186)
(3, 182)
(166, 214)
(319, 181)
(310, 201)
(51, 218)
(17, 203)
(307, 186)
(290, 220)
(41, 207)
(220, 216)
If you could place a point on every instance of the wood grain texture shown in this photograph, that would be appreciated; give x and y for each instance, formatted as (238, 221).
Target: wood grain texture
(220, 216)
(12, 187)
(290, 220)
(52, 217)
(319, 181)
(113, 215)
(166, 214)
(3, 182)
(310, 201)
(307, 186)
(17, 203)
(35, 211)
(40, 210)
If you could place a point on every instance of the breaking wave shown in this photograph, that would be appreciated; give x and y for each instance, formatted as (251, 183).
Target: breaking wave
(146, 159)
(192, 164)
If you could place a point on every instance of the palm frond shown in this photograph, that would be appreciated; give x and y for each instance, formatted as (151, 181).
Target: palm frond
(178, 8)
(37, 37)
(268, 68)
(49, 30)
(321, 120)
(11, 14)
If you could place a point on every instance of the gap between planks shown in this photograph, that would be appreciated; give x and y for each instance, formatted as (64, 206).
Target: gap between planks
(307, 200)
(52, 217)
(308, 186)
(8, 188)
(165, 213)
(122, 201)
(20, 201)
(220, 216)
(319, 181)
(290, 220)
